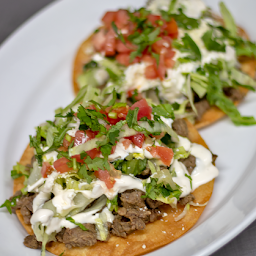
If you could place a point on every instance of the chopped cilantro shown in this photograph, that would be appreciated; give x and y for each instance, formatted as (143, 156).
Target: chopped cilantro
(76, 223)
(154, 190)
(118, 33)
(133, 166)
(83, 174)
(182, 20)
(10, 203)
(165, 110)
(211, 42)
(97, 163)
(91, 64)
(188, 46)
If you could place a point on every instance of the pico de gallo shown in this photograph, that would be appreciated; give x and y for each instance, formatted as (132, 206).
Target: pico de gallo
(171, 51)
(92, 154)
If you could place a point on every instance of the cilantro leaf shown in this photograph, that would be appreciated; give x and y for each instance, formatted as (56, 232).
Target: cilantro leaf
(89, 119)
(97, 163)
(215, 96)
(182, 20)
(83, 174)
(188, 46)
(165, 110)
(10, 203)
(118, 33)
(91, 64)
(76, 223)
(133, 166)
(211, 43)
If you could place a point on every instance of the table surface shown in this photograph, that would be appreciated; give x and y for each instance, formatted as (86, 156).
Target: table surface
(13, 13)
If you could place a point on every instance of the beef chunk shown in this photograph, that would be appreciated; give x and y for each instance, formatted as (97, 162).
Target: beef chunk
(122, 227)
(189, 162)
(233, 93)
(153, 203)
(131, 198)
(155, 214)
(180, 127)
(201, 106)
(31, 242)
(59, 236)
(76, 237)
(187, 199)
(25, 204)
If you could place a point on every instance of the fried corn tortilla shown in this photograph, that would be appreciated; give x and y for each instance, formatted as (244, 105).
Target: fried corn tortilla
(248, 65)
(139, 242)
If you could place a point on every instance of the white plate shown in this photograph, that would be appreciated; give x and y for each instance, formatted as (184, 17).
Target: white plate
(35, 79)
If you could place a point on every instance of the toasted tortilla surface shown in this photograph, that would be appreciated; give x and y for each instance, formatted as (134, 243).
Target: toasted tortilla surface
(248, 65)
(155, 235)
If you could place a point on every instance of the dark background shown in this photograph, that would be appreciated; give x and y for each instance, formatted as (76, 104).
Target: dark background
(13, 13)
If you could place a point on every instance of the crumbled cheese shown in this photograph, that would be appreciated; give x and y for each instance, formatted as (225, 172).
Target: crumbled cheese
(144, 246)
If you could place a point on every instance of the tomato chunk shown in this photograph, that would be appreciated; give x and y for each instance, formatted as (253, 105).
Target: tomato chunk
(110, 43)
(144, 109)
(151, 72)
(61, 165)
(98, 40)
(105, 176)
(165, 154)
(108, 18)
(172, 28)
(79, 138)
(46, 169)
(137, 139)
(122, 18)
(126, 143)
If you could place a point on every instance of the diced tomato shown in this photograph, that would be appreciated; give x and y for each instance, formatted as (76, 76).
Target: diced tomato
(122, 18)
(79, 138)
(131, 93)
(126, 143)
(168, 58)
(61, 165)
(153, 19)
(78, 158)
(108, 18)
(137, 139)
(121, 114)
(91, 134)
(161, 45)
(93, 153)
(125, 48)
(151, 72)
(98, 40)
(172, 28)
(110, 43)
(165, 154)
(148, 59)
(161, 69)
(66, 143)
(105, 176)
(144, 109)
(113, 149)
(123, 58)
(46, 169)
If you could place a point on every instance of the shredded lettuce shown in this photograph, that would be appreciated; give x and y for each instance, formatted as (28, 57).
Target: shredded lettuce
(184, 213)
(228, 19)
(180, 152)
